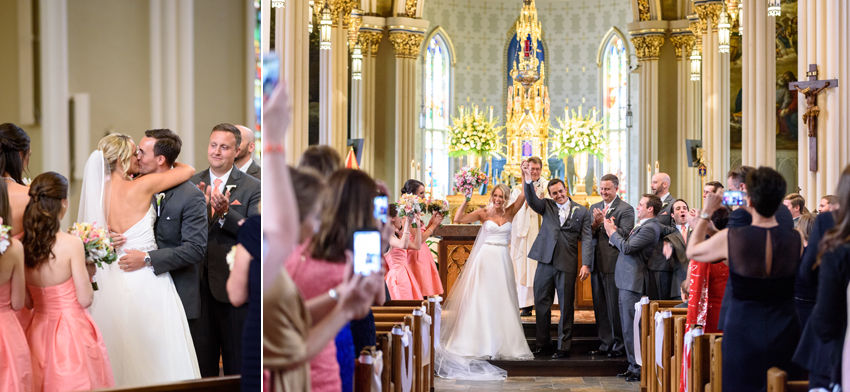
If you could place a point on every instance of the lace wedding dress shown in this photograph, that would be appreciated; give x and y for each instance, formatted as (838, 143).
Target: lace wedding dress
(480, 318)
(139, 314)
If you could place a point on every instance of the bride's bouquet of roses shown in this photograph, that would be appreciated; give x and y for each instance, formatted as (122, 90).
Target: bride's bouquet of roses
(408, 206)
(97, 243)
(468, 179)
(5, 237)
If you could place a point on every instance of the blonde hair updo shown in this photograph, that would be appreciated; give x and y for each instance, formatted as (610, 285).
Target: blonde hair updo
(116, 148)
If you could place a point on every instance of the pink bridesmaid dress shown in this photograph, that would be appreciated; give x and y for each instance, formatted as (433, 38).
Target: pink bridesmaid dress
(424, 270)
(15, 362)
(400, 280)
(68, 352)
(24, 315)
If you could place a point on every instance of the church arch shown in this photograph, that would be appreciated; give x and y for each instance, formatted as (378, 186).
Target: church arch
(613, 60)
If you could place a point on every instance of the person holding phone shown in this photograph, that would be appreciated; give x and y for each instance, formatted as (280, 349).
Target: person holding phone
(400, 280)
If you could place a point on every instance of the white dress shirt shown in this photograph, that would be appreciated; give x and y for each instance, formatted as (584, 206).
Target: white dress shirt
(244, 168)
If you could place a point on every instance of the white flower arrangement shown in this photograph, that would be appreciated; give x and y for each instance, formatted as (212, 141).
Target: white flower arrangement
(578, 134)
(471, 134)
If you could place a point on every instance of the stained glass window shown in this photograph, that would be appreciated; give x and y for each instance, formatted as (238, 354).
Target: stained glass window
(437, 80)
(616, 98)
(258, 88)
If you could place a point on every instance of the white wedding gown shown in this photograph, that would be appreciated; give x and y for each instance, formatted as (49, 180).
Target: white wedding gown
(480, 318)
(142, 319)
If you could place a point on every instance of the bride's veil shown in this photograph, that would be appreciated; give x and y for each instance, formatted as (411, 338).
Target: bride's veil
(448, 364)
(94, 198)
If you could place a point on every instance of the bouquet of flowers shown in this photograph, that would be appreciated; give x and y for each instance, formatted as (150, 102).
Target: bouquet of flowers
(408, 206)
(468, 179)
(437, 206)
(97, 243)
(578, 134)
(471, 134)
(4, 237)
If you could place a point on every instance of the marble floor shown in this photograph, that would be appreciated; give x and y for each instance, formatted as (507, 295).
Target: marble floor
(575, 384)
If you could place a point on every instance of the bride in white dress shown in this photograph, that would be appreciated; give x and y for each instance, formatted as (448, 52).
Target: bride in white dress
(480, 318)
(138, 313)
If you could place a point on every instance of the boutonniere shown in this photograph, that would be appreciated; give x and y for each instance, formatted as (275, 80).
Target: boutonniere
(664, 205)
(574, 210)
(610, 209)
(26, 181)
(229, 188)
(159, 197)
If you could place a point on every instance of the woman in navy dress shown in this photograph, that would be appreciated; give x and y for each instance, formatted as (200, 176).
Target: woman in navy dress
(762, 329)
(248, 256)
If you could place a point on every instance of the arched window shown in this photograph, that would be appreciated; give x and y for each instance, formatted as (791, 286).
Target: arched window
(615, 99)
(437, 96)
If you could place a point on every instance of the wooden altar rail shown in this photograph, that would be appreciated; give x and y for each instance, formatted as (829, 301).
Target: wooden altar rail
(211, 384)
(777, 381)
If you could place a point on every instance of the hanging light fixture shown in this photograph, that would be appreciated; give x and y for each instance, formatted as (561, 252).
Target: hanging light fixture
(357, 63)
(723, 29)
(696, 59)
(741, 18)
(773, 8)
(325, 27)
(629, 116)
(312, 10)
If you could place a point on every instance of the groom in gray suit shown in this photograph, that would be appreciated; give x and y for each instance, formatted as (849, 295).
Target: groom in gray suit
(181, 225)
(565, 223)
(632, 275)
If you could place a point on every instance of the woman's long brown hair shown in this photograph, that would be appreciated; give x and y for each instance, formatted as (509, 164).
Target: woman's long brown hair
(5, 208)
(348, 207)
(41, 217)
(840, 234)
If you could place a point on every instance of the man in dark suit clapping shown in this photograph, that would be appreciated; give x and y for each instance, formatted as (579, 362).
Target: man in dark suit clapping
(632, 275)
(605, 295)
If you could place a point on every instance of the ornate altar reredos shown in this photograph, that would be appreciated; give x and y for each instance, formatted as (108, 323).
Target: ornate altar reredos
(527, 111)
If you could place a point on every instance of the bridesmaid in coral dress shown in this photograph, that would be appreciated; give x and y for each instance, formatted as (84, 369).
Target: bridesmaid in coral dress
(421, 262)
(15, 362)
(68, 352)
(400, 280)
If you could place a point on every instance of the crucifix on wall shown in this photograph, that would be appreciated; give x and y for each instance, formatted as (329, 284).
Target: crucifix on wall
(810, 89)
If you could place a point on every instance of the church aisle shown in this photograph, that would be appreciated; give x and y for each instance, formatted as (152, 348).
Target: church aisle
(584, 384)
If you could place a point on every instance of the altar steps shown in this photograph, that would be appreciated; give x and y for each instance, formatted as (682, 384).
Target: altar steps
(579, 364)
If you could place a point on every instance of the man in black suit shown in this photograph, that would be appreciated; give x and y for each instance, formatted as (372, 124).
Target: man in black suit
(605, 294)
(632, 276)
(244, 160)
(181, 225)
(231, 196)
(674, 246)
(565, 223)
(661, 188)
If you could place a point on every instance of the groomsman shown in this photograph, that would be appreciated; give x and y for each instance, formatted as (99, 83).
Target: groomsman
(565, 223)
(632, 276)
(231, 196)
(602, 268)
(181, 225)
(526, 225)
(661, 188)
(675, 245)
(244, 160)
(661, 269)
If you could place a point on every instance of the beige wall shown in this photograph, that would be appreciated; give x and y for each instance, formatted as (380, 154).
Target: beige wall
(667, 114)
(385, 82)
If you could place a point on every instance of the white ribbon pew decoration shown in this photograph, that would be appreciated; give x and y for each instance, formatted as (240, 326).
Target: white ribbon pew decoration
(425, 332)
(406, 359)
(689, 342)
(378, 368)
(659, 335)
(636, 328)
(438, 310)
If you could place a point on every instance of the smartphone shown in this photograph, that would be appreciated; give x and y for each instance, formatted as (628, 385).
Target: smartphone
(367, 252)
(271, 74)
(733, 198)
(381, 206)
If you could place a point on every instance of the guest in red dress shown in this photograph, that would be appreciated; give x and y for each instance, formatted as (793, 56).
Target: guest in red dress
(421, 262)
(15, 362)
(67, 349)
(400, 280)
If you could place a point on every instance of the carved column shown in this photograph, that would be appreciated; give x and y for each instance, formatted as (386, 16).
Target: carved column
(647, 43)
(758, 73)
(406, 35)
(715, 93)
(822, 40)
(333, 81)
(688, 184)
(293, 44)
(363, 119)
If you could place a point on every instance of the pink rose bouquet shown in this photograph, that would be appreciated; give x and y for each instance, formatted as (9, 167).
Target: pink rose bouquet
(409, 205)
(468, 179)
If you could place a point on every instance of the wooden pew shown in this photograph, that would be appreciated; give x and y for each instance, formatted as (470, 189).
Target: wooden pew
(678, 351)
(211, 384)
(716, 379)
(658, 376)
(777, 381)
(392, 312)
(700, 374)
(363, 371)
(383, 342)
(647, 324)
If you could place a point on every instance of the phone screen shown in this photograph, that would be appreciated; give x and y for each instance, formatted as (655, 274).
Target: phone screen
(381, 205)
(271, 74)
(733, 198)
(367, 252)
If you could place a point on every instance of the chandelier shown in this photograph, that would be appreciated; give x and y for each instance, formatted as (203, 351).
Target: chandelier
(723, 28)
(773, 8)
(325, 27)
(696, 59)
(357, 62)
(312, 10)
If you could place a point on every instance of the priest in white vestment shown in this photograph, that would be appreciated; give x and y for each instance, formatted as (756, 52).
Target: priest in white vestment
(524, 229)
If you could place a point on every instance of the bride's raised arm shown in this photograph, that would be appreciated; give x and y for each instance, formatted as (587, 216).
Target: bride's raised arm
(157, 182)
(472, 217)
(520, 200)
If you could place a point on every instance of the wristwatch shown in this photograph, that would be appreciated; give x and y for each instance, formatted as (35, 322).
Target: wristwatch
(148, 260)
(705, 216)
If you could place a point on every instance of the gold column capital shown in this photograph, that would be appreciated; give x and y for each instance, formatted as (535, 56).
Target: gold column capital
(647, 47)
(708, 12)
(410, 8)
(682, 42)
(406, 44)
(370, 39)
(643, 11)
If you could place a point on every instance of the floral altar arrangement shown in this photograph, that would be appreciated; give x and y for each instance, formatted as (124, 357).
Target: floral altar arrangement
(578, 134)
(409, 205)
(468, 179)
(471, 134)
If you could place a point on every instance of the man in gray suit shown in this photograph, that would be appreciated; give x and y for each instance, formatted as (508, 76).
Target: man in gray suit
(631, 275)
(181, 225)
(231, 197)
(565, 222)
(605, 295)
(244, 160)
